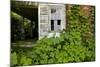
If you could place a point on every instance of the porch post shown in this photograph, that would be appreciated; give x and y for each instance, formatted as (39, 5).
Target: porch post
(39, 21)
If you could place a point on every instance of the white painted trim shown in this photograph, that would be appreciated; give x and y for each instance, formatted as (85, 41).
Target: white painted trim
(49, 19)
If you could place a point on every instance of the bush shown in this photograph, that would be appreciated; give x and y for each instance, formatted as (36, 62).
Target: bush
(13, 59)
(76, 44)
(61, 50)
(25, 61)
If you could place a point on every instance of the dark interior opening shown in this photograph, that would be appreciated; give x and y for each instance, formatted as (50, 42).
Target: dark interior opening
(24, 23)
(58, 22)
(52, 24)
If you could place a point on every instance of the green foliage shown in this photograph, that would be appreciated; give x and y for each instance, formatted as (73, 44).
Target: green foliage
(15, 15)
(14, 58)
(21, 27)
(25, 61)
(76, 44)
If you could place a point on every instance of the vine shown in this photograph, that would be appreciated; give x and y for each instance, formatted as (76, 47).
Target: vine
(76, 44)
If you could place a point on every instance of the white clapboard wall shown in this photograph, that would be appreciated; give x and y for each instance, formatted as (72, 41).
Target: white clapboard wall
(45, 17)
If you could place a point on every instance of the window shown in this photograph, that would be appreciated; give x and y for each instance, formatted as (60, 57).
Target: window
(58, 22)
(53, 10)
(52, 24)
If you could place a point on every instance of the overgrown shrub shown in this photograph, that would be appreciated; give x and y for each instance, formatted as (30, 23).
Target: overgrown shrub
(14, 59)
(76, 44)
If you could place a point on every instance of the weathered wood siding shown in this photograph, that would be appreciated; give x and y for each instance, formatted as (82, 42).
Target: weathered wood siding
(45, 18)
(58, 15)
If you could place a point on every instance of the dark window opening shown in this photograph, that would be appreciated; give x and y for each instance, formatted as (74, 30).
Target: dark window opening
(58, 22)
(53, 10)
(52, 24)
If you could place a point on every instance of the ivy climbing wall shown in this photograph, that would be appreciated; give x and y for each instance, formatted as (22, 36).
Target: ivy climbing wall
(76, 43)
(81, 28)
